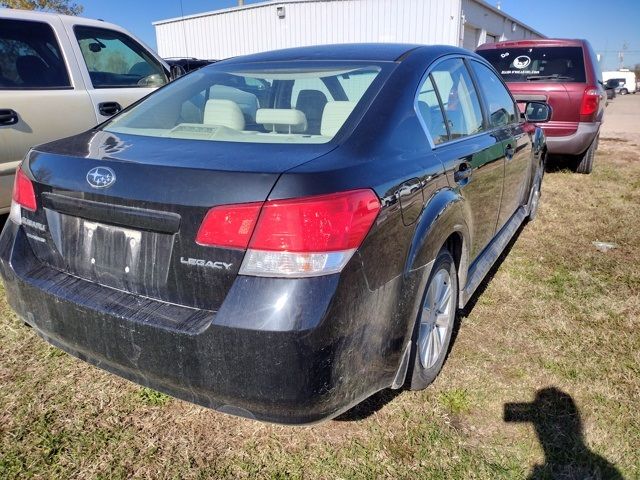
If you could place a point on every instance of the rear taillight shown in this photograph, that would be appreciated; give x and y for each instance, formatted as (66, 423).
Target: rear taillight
(229, 226)
(24, 196)
(23, 192)
(298, 237)
(590, 101)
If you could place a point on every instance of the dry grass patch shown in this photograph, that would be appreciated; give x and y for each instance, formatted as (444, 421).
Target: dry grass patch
(557, 313)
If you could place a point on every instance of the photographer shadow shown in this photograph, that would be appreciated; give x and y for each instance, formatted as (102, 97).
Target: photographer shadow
(558, 425)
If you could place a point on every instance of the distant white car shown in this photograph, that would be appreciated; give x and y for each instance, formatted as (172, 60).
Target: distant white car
(61, 75)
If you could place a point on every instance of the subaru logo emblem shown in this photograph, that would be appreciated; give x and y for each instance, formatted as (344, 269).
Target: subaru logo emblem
(101, 177)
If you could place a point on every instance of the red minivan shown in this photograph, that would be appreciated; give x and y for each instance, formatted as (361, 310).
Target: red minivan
(566, 75)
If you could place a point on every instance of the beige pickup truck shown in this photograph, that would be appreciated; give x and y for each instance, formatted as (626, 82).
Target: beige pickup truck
(60, 75)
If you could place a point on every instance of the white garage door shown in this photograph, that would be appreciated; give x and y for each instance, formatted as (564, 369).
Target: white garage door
(470, 40)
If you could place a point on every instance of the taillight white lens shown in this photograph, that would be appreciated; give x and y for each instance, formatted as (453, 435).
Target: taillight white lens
(262, 263)
(15, 214)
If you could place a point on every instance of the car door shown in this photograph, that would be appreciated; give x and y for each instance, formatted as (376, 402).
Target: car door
(473, 157)
(42, 95)
(117, 69)
(504, 121)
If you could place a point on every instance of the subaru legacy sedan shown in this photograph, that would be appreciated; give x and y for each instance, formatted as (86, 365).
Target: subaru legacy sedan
(277, 236)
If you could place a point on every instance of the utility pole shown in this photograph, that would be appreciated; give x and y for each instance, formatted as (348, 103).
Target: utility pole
(625, 47)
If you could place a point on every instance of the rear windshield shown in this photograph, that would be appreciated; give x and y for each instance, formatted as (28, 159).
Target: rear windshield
(565, 64)
(265, 104)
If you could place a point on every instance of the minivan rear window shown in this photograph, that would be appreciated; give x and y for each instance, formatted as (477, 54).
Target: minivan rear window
(564, 64)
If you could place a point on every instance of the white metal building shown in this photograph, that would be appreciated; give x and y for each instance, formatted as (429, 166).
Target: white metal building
(292, 23)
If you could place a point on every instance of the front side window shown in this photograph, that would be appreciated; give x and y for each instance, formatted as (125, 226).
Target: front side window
(30, 57)
(459, 98)
(502, 109)
(115, 60)
(249, 104)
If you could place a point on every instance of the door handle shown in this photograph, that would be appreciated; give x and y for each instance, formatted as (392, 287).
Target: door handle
(109, 109)
(462, 175)
(509, 152)
(8, 116)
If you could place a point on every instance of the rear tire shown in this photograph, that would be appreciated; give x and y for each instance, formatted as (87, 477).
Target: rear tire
(585, 162)
(624, 91)
(435, 323)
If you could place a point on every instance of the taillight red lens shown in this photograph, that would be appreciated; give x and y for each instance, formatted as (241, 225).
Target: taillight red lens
(229, 226)
(23, 192)
(590, 101)
(323, 223)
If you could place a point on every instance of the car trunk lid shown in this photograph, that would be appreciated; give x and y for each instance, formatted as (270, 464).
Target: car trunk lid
(138, 234)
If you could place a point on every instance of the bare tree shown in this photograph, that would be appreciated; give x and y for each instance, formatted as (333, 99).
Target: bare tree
(61, 6)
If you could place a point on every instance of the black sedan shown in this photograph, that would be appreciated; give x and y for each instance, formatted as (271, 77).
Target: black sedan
(277, 236)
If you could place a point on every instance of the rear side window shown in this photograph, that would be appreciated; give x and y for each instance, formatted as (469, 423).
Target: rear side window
(502, 109)
(459, 98)
(30, 57)
(431, 112)
(115, 60)
(565, 64)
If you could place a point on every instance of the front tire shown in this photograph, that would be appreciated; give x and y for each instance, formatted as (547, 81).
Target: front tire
(435, 323)
(584, 163)
(624, 91)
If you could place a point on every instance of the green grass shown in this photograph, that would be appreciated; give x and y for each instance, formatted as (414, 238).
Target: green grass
(558, 314)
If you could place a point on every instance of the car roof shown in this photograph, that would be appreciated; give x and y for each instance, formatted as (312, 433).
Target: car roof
(539, 42)
(374, 52)
(380, 52)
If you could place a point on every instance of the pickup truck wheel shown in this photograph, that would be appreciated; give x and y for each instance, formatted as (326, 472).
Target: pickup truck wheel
(585, 162)
(624, 91)
(435, 322)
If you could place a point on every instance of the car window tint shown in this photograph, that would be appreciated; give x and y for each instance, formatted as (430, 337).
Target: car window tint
(431, 112)
(30, 57)
(502, 110)
(459, 98)
(116, 60)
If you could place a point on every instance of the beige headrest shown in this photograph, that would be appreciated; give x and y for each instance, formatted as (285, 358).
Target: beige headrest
(287, 120)
(334, 116)
(226, 113)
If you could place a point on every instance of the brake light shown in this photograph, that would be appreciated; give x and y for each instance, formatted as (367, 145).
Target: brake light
(298, 237)
(590, 101)
(23, 192)
(310, 236)
(229, 226)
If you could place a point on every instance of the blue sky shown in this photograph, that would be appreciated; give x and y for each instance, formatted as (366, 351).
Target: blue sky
(606, 24)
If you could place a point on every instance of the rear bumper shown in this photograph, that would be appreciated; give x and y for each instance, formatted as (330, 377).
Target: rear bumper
(573, 144)
(300, 361)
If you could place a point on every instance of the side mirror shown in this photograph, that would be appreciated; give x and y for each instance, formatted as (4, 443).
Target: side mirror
(176, 72)
(537, 112)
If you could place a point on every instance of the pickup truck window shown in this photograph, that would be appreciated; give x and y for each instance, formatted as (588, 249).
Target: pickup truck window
(30, 57)
(115, 60)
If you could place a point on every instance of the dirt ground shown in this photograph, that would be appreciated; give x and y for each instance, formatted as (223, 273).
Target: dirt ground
(543, 379)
